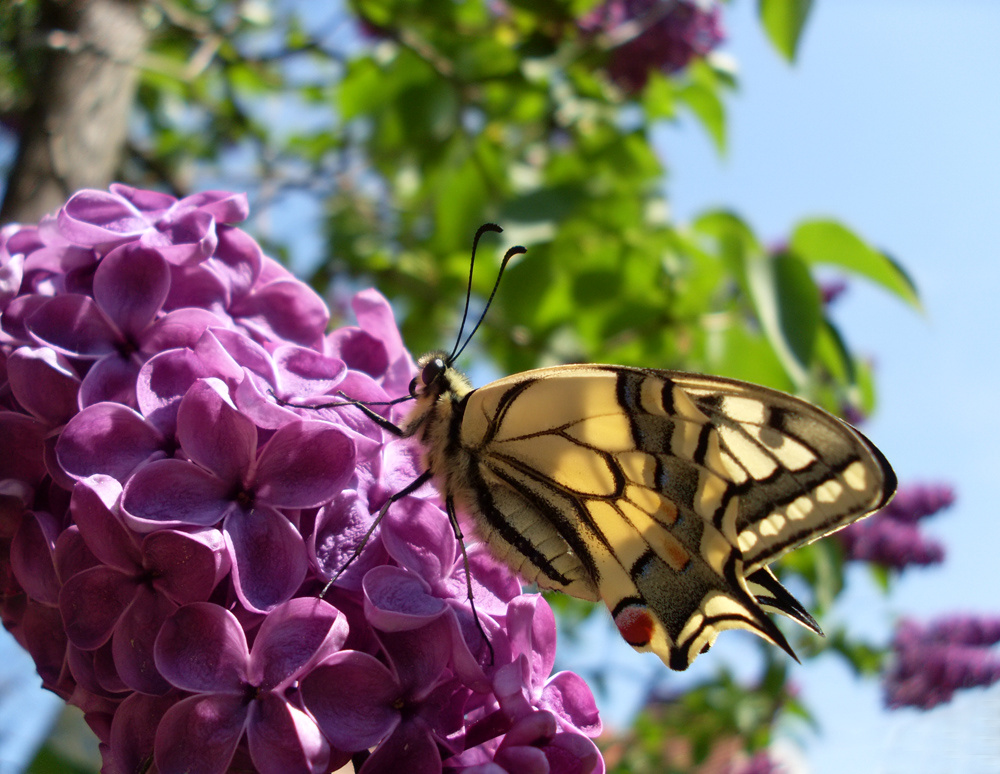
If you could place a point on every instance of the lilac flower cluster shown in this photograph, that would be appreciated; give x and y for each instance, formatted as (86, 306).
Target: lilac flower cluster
(760, 763)
(932, 661)
(669, 34)
(167, 519)
(892, 537)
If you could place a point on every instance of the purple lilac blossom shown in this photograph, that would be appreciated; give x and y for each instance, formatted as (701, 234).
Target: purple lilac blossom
(759, 763)
(169, 515)
(668, 35)
(891, 537)
(932, 661)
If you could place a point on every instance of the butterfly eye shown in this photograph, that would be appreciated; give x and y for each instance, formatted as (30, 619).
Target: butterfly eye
(413, 387)
(432, 371)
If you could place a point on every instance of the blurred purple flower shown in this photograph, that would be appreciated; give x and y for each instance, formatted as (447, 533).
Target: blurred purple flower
(891, 537)
(759, 763)
(932, 661)
(166, 500)
(831, 290)
(661, 35)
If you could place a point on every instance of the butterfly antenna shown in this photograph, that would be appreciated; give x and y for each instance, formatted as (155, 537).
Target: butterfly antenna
(516, 250)
(468, 289)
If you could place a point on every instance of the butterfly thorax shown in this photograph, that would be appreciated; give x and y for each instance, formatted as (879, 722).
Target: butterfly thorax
(439, 393)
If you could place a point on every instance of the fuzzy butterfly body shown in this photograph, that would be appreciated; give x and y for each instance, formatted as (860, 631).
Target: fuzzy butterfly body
(662, 493)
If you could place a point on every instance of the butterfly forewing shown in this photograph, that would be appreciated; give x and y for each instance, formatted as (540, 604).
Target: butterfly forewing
(658, 492)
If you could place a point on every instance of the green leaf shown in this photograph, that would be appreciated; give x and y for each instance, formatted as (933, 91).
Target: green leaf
(830, 242)
(707, 107)
(784, 21)
(789, 307)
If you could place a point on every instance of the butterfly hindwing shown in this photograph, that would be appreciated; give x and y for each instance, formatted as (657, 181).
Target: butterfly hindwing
(656, 491)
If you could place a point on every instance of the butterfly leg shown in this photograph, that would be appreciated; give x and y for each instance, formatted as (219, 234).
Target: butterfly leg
(409, 489)
(453, 518)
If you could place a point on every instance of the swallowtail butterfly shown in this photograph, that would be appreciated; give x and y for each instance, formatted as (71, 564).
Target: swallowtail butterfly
(664, 494)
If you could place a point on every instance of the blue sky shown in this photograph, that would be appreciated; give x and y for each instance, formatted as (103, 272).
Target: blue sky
(890, 121)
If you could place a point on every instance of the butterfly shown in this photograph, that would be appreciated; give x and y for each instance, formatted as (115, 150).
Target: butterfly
(664, 494)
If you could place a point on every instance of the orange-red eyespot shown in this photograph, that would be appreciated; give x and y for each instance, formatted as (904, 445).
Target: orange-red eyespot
(635, 624)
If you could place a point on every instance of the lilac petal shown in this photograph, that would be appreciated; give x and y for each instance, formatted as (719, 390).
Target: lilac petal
(60, 259)
(183, 236)
(409, 748)
(375, 316)
(224, 206)
(174, 493)
(570, 753)
(151, 203)
(21, 450)
(269, 557)
(256, 401)
(398, 600)
(237, 260)
(91, 603)
(134, 638)
(44, 383)
(306, 372)
(199, 734)
(72, 555)
(179, 328)
(134, 729)
(401, 464)
(419, 656)
(304, 464)
(197, 286)
(163, 381)
(185, 566)
(352, 697)
(509, 684)
(420, 537)
(493, 583)
(105, 671)
(11, 274)
(107, 438)
(14, 320)
(532, 729)
(284, 739)
(568, 696)
(232, 353)
(31, 556)
(340, 527)
(130, 286)
(470, 655)
(284, 309)
(523, 759)
(94, 218)
(110, 379)
(94, 510)
(213, 433)
(45, 640)
(359, 350)
(531, 626)
(295, 635)
(81, 667)
(202, 648)
(74, 325)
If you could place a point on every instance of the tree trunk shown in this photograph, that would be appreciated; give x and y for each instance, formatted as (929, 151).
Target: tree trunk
(76, 126)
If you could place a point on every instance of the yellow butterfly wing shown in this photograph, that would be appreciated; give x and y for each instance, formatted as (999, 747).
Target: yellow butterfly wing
(665, 494)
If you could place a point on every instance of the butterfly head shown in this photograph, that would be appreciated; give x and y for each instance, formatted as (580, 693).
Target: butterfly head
(437, 377)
